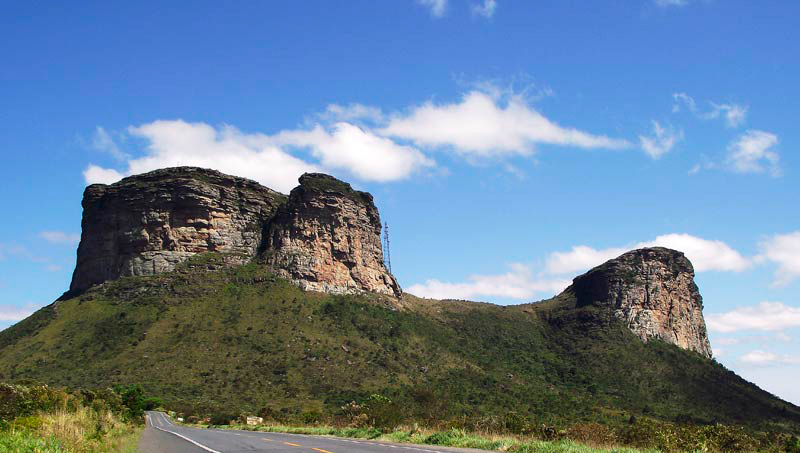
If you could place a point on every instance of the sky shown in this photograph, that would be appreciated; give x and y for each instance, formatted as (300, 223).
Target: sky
(510, 145)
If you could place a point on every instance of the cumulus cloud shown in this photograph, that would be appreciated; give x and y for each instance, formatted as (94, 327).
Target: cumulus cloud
(268, 159)
(481, 126)
(752, 153)
(518, 283)
(759, 357)
(705, 254)
(580, 258)
(94, 174)
(60, 237)
(783, 250)
(765, 316)
(357, 139)
(485, 9)
(349, 147)
(733, 114)
(662, 140)
(437, 7)
(521, 282)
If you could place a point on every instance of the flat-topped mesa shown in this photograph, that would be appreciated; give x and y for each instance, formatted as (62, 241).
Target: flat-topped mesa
(147, 224)
(651, 290)
(328, 238)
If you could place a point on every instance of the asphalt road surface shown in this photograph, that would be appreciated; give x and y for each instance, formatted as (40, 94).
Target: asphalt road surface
(162, 436)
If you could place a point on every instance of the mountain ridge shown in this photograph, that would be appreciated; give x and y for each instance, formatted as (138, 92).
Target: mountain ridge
(307, 319)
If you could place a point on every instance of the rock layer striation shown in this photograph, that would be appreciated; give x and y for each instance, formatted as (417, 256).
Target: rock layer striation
(147, 224)
(652, 291)
(325, 236)
(328, 238)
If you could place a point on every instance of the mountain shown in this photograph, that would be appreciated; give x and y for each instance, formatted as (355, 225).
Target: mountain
(219, 294)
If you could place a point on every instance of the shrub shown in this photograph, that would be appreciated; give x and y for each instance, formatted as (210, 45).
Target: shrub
(592, 433)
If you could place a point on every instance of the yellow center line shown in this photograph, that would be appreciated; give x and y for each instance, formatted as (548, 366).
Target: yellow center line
(323, 451)
(293, 445)
(266, 440)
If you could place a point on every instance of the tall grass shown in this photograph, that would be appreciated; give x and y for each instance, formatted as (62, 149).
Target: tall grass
(82, 430)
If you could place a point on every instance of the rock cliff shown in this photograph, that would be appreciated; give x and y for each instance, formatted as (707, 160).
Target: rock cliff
(325, 236)
(148, 223)
(328, 238)
(651, 290)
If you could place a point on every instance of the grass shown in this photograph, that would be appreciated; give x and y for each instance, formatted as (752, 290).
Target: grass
(450, 438)
(23, 441)
(81, 431)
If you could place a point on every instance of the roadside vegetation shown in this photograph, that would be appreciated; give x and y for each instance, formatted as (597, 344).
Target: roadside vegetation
(378, 418)
(216, 342)
(42, 419)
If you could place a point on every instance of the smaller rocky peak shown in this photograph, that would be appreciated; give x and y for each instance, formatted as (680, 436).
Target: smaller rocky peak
(327, 238)
(652, 291)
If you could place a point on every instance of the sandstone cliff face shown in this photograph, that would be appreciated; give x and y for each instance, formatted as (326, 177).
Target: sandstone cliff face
(652, 291)
(324, 237)
(327, 238)
(146, 224)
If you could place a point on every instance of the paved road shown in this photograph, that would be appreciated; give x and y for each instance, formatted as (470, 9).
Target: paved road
(162, 436)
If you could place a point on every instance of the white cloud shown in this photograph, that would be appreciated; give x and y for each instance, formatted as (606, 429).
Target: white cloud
(662, 140)
(102, 141)
(437, 7)
(734, 114)
(480, 126)
(686, 100)
(174, 143)
(60, 237)
(267, 159)
(349, 147)
(752, 153)
(14, 313)
(351, 112)
(705, 254)
(668, 3)
(95, 174)
(765, 316)
(784, 250)
(580, 258)
(759, 357)
(518, 283)
(485, 9)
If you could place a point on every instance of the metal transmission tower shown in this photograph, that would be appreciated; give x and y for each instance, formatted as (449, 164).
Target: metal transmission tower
(387, 257)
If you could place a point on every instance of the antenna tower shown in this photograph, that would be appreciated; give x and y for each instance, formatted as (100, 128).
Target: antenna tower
(387, 257)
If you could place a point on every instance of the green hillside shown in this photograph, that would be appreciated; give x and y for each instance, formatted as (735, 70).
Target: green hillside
(243, 339)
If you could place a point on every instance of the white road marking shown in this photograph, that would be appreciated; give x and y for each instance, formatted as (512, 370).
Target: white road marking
(210, 450)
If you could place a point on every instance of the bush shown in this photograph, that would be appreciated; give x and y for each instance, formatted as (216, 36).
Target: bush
(223, 419)
(592, 433)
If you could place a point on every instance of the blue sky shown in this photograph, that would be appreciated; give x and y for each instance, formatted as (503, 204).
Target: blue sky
(510, 145)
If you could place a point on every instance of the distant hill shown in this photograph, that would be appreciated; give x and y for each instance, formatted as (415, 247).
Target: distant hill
(220, 295)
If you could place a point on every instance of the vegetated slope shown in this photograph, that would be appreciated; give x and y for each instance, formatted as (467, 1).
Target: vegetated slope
(242, 339)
